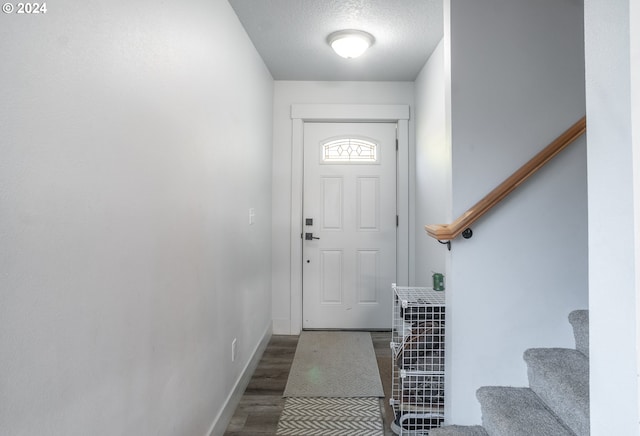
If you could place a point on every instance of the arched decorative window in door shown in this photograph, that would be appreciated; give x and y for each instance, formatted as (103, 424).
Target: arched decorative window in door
(349, 150)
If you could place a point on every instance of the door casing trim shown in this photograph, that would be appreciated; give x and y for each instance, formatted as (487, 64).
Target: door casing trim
(302, 113)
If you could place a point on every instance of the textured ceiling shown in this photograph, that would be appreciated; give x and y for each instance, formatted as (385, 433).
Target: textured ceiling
(291, 35)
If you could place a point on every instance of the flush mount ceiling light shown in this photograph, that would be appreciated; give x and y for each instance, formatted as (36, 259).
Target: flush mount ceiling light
(350, 43)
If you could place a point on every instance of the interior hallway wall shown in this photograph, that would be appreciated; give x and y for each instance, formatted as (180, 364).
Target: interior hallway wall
(433, 166)
(517, 82)
(293, 92)
(135, 138)
(612, 49)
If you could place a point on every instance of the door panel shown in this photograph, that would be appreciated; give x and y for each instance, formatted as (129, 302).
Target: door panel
(331, 276)
(332, 203)
(368, 271)
(350, 194)
(368, 196)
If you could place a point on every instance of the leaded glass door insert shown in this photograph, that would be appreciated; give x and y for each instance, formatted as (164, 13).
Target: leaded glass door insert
(351, 150)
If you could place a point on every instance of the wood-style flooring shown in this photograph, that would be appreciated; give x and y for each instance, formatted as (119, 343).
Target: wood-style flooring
(260, 406)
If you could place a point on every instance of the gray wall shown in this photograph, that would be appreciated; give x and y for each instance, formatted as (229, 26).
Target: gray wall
(135, 138)
(612, 41)
(517, 72)
(433, 166)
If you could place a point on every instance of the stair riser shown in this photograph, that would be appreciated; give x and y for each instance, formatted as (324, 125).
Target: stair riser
(560, 377)
(458, 430)
(517, 412)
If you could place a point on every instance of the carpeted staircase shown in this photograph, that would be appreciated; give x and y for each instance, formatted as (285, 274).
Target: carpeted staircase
(556, 403)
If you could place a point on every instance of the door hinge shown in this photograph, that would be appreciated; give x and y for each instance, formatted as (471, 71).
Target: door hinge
(396, 144)
(397, 220)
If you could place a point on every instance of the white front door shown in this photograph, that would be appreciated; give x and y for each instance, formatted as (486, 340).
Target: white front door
(349, 225)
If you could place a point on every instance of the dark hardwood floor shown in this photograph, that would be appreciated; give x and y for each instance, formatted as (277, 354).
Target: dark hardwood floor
(260, 407)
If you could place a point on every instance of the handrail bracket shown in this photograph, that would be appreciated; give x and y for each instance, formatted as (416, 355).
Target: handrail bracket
(447, 243)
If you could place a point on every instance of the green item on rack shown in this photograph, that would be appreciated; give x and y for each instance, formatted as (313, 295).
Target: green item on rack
(438, 282)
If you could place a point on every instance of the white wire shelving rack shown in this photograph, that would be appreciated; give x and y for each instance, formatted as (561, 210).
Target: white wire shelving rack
(417, 350)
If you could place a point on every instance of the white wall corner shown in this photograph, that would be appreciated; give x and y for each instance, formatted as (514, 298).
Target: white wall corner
(282, 327)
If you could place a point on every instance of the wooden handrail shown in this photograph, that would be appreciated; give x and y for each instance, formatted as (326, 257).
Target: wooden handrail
(448, 232)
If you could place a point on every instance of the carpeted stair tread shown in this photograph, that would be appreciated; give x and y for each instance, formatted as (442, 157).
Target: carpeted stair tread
(560, 377)
(458, 430)
(579, 319)
(508, 411)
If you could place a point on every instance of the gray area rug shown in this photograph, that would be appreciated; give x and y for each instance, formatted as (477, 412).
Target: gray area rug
(334, 364)
(331, 416)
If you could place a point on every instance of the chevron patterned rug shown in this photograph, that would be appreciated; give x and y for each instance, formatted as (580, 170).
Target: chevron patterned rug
(331, 416)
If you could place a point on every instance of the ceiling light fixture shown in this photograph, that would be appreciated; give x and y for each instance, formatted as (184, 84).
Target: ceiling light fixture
(350, 43)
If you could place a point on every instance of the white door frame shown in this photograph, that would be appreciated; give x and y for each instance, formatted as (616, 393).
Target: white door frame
(301, 113)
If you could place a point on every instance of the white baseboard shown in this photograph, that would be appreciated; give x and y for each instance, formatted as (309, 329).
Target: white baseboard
(224, 416)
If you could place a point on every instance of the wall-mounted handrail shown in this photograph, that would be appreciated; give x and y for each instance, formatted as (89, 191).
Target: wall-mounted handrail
(448, 232)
